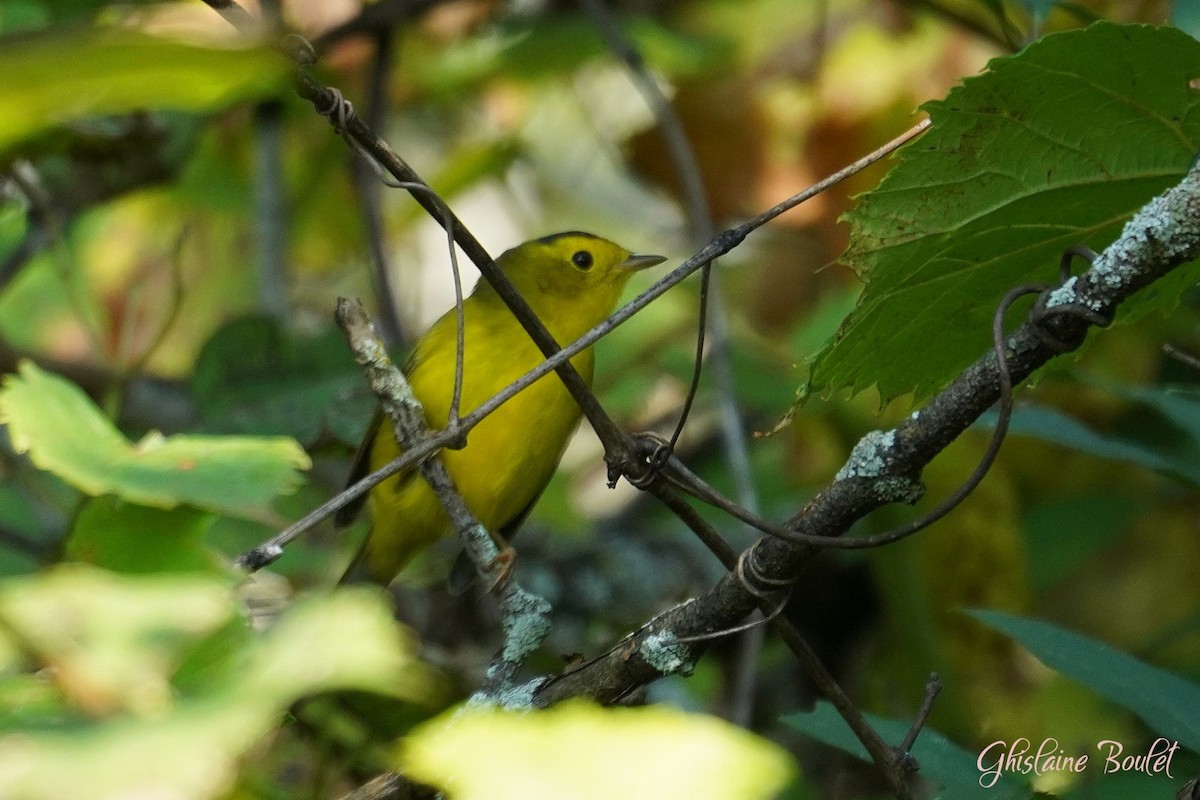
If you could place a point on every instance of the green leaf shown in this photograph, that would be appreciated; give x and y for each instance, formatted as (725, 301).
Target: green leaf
(51, 79)
(23, 15)
(581, 751)
(1178, 405)
(1020, 163)
(1051, 425)
(32, 14)
(16, 510)
(66, 434)
(953, 769)
(1168, 704)
(1064, 533)
(551, 46)
(347, 639)
(114, 642)
(124, 537)
(253, 377)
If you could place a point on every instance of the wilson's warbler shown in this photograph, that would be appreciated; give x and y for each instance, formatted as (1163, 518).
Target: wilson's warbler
(572, 281)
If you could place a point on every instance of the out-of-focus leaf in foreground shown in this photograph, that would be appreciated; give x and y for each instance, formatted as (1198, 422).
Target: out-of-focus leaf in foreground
(1055, 146)
(581, 751)
(51, 79)
(109, 722)
(64, 433)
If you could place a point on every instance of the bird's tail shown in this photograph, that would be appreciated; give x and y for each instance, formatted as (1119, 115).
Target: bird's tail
(359, 570)
(382, 556)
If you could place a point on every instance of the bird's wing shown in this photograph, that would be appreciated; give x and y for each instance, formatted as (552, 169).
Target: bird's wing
(358, 470)
(361, 466)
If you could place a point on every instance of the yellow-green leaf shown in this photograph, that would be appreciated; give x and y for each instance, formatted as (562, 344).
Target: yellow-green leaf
(64, 433)
(114, 643)
(51, 79)
(127, 537)
(585, 752)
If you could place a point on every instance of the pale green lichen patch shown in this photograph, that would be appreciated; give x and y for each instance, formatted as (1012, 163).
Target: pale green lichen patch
(899, 490)
(483, 545)
(526, 624)
(869, 458)
(662, 651)
(510, 698)
(1166, 230)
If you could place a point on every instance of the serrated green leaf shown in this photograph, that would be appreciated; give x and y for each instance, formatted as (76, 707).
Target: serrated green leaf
(66, 434)
(51, 79)
(953, 769)
(574, 749)
(1052, 147)
(1168, 704)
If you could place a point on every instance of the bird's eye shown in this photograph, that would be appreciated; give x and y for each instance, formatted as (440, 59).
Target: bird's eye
(582, 259)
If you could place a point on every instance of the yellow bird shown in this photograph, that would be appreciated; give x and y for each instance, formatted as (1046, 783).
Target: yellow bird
(572, 281)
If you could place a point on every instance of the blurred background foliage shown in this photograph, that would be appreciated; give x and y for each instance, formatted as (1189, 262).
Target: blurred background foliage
(176, 224)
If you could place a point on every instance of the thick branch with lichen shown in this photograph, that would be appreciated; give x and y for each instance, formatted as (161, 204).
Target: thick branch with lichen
(1164, 235)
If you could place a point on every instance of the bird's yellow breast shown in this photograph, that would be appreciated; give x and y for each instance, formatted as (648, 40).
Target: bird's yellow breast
(571, 281)
(509, 456)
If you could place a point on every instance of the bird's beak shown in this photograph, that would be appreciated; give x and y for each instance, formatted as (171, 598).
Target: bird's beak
(638, 261)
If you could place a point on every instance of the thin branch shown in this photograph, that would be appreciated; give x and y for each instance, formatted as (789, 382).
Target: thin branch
(526, 621)
(933, 687)
(623, 462)
(681, 476)
(330, 103)
(270, 212)
(883, 755)
(232, 13)
(713, 323)
(367, 190)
